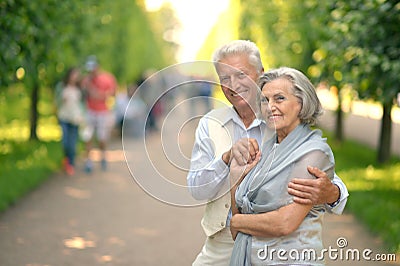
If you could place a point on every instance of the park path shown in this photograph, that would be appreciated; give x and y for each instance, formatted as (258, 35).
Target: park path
(362, 129)
(107, 219)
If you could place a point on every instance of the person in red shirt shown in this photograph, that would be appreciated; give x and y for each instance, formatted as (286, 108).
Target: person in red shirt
(100, 87)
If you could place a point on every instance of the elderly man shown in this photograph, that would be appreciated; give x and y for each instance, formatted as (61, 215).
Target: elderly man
(238, 65)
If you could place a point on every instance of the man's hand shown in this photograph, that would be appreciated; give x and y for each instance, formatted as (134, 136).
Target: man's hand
(245, 151)
(245, 155)
(314, 191)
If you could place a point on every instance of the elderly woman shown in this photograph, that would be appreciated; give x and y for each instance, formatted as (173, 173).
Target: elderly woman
(291, 232)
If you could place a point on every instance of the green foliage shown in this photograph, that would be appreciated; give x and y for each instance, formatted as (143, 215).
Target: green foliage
(14, 121)
(165, 21)
(46, 41)
(353, 44)
(128, 40)
(24, 165)
(362, 42)
(41, 39)
(282, 31)
(374, 190)
(14, 102)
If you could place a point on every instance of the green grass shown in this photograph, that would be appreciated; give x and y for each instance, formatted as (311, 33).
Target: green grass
(25, 165)
(374, 189)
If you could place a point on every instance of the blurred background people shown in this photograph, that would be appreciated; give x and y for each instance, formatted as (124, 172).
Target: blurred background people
(200, 93)
(130, 112)
(100, 87)
(70, 115)
(152, 86)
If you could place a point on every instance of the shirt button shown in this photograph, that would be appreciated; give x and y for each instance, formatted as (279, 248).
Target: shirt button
(222, 223)
(227, 205)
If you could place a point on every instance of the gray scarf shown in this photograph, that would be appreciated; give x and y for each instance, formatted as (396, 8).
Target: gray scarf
(273, 171)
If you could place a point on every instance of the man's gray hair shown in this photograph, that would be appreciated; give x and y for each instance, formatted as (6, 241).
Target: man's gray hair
(303, 89)
(240, 47)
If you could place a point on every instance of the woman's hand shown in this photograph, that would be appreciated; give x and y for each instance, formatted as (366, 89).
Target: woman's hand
(239, 170)
(234, 232)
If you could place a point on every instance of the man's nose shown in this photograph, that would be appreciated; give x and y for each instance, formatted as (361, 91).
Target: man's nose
(235, 83)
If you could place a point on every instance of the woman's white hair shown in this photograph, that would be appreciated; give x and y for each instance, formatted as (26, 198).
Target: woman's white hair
(303, 89)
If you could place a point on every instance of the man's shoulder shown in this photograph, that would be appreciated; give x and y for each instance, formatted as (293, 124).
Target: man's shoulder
(106, 78)
(104, 75)
(221, 113)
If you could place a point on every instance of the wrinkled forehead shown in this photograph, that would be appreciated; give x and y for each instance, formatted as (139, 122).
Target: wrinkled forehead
(233, 61)
(226, 70)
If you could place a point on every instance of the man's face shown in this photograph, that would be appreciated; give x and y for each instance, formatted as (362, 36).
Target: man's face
(238, 80)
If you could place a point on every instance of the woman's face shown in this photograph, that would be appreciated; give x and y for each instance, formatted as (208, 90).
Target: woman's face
(279, 107)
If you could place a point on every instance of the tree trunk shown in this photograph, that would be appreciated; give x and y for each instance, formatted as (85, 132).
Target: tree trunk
(34, 111)
(385, 134)
(339, 120)
(339, 124)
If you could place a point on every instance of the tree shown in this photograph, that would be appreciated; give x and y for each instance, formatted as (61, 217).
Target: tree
(331, 66)
(42, 38)
(29, 45)
(35, 43)
(370, 47)
(355, 44)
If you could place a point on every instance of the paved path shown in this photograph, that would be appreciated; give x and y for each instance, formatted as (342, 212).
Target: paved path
(363, 129)
(100, 219)
(106, 219)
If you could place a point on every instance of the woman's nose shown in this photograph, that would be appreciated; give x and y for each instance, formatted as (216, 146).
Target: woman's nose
(271, 105)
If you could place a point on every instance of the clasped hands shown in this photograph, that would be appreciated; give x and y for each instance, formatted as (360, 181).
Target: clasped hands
(243, 156)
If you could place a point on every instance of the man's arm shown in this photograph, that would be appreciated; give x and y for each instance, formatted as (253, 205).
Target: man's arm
(207, 174)
(320, 191)
(280, 222)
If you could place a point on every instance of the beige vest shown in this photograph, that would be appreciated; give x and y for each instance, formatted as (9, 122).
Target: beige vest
(216, 213)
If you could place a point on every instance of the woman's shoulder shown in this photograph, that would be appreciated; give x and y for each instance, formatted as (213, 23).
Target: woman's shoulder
(316, 143)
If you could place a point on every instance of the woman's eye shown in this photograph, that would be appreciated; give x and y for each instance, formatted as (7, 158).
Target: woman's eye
(279, 99)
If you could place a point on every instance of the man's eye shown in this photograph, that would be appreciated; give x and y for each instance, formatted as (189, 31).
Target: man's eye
(242, 75)
(224, 80)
